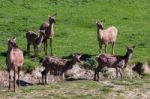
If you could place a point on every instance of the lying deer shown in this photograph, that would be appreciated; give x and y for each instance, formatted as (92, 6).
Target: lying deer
(14, 60)
(117, 62)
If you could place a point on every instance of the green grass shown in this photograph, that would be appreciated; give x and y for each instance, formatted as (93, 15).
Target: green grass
(80, 89)
(75, 30)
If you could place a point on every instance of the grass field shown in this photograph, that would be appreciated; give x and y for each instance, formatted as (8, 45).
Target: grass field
(84, 89)
(75, 30)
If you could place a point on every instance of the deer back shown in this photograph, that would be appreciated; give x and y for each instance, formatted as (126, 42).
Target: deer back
(108, 35)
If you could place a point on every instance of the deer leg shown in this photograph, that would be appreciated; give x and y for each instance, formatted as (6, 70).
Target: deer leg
(34, 51)
(43, 74)
(9, 80)
(28, 48)
(62, 76)
(14, 81)
(106, 48)
(123, 71)
(116, 72)
(18, 77)
(46, 47)
(51, 46)
(37, 51)
(97, 70)
(113, 45)
(100, 47)
(96, 75)
(120, 73)
(46, 72)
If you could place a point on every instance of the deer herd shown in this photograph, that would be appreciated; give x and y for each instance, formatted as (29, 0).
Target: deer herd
(55, 65)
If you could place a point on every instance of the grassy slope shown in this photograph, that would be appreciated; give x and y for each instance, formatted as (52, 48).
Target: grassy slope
(118, 89)
(75, 28)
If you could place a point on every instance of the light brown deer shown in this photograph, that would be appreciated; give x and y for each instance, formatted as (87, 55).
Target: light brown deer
(47, 28)
(106, 36)
(58, 66)
(14, 60)
(36, 41)
(117, 62)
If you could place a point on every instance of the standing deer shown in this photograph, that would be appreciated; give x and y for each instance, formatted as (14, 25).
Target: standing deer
(47, 28)
(106, 36)
(117, 62)
(14, 60)
(35, 40)
(58, 66)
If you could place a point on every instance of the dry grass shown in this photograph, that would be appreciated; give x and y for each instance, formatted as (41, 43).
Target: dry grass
(136, 88)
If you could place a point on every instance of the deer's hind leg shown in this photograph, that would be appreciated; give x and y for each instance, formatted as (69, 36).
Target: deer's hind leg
(113, 50)
(51, 46)
(19, 76)
(9, 79)
(14, 80)
(28, 48)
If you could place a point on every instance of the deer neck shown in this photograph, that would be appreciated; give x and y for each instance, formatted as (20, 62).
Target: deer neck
(99, 33)
(127, 57)
(69, 64)
(51, 27)
(40, 38)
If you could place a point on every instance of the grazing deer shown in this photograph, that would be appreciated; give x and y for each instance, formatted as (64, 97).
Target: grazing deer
(47, 28)
(56, 65)
(106, 36)
(35, 40)
(14, 60)
(117, 62)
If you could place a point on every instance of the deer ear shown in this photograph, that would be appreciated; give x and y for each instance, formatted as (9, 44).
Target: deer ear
(14, 38)
(49, 15)
(8, 39)
(96, 21)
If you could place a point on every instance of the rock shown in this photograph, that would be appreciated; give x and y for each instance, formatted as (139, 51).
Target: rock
(78, 73)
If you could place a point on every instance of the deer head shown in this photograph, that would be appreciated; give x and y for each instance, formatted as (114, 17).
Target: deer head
(12, 43)
(52, 19)
(100, 24)
(130, 49)
(76, 57)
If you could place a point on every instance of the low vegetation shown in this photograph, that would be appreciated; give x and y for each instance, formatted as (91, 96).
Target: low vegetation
(135, 88)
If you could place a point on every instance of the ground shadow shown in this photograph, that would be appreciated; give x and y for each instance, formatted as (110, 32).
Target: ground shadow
(3, 54)
(74, 79)
(84, 56)
(23, 83)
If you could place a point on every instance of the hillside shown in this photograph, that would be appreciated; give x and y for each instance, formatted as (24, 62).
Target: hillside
(75, 29)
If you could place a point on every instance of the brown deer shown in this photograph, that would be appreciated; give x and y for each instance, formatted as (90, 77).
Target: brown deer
(35, 40)
(47, 28)
(117, 62)
(58, 66)
(14, 60)
(106, 36)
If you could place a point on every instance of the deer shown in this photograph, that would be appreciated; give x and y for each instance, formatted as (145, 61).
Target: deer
(110, 61)
(48, 29)
(58, 66)
(14, 60)
(106, 36)
(36, 41)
